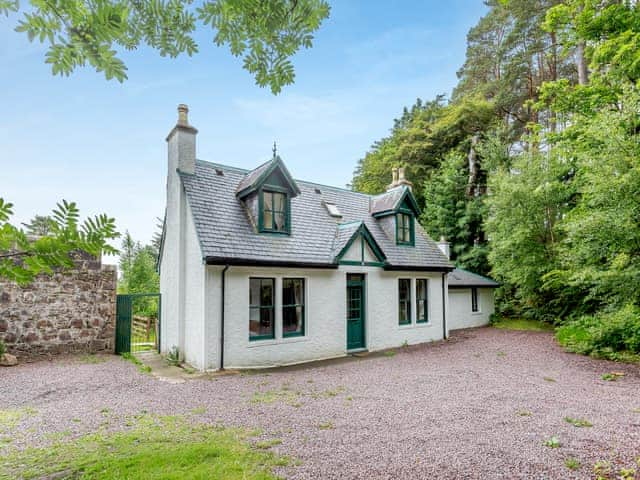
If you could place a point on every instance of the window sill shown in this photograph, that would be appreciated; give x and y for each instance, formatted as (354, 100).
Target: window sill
(476, 313)
(415, 325)
(278, 341)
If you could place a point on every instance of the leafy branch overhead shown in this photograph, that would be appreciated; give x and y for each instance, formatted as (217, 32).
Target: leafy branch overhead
(266, 34)
(23, 256)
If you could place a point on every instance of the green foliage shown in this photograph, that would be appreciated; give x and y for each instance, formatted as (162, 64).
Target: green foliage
(3, 348)
(22, 257)
(173, 356)
(153, 448)
(572, 463)
(523, 324)
(138, 274)
(578, 422)
(265, 35)
(604, 335)
(553, 442)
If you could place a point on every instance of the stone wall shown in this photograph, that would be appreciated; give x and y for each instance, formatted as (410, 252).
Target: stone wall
(69, 311)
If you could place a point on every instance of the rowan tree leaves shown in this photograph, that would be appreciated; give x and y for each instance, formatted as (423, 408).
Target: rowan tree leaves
(79, 33)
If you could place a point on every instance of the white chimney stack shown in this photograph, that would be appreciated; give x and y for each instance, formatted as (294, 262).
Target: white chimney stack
(182, 143)
(445, 247)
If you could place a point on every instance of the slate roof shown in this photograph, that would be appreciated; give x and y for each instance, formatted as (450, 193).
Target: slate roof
(464, 278)
(226, 234)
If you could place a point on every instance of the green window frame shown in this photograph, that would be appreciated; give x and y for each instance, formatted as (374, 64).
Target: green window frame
(474, 300)
(293, 307)
(404, 229)
(262, 318)
(274, 211)
(404, 301)
(422, 302)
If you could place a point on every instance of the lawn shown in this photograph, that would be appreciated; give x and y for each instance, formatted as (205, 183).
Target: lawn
(154, 448)
(523, 324)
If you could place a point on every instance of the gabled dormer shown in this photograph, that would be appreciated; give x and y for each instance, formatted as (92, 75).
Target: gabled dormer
(397, 209)
(267, 192)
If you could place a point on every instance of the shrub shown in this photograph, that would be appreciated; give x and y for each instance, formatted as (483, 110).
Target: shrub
(607, 335)
(3, 348)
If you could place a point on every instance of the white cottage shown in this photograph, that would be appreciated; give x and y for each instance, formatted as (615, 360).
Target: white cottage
(258, 269)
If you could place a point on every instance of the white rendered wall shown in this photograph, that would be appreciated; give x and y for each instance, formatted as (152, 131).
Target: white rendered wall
(325, 327)
(193, 347)
(461, 315)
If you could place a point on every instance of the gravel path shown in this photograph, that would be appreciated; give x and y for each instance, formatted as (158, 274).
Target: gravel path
(479, 406)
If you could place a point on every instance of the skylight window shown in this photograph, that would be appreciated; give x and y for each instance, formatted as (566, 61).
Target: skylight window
(333, 210)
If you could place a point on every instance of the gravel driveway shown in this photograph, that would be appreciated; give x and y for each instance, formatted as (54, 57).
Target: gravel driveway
(478, 406)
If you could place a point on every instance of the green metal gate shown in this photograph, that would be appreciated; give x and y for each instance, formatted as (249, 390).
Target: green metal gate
(137, 322)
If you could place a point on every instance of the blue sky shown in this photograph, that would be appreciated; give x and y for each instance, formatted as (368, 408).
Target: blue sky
(102, 144)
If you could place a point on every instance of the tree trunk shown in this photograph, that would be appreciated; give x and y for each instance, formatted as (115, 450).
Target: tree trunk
(474, 167)
(583, 71)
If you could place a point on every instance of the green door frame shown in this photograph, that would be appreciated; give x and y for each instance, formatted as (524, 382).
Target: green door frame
(359, 284)
(124, 316)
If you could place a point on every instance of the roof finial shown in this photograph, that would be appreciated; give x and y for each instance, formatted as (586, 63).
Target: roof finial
(275, 149)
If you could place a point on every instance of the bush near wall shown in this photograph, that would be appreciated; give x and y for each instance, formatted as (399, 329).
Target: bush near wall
(614, 335)
(69, 311)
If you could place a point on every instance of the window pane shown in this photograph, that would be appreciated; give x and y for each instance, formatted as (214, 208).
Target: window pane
(421, 289)
(293, 306)
(254, 322)
(266, 292)
(421, 315)
(254, 292)
(279, 221)
(268, 201)
(404, 290)
(268, 220)
(278, 202)
(292, 320)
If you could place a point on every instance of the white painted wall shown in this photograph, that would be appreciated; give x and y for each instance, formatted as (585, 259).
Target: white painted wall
(325, 319)
(461, 315)
(382, 328)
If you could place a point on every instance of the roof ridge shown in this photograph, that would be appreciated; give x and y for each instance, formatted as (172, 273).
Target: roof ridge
(306, 182)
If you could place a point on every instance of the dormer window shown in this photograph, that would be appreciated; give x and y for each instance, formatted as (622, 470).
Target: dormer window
(266, 193)
(274, 212)
(404, 229)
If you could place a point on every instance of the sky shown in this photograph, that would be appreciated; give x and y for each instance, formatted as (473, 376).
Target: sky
(102, 143)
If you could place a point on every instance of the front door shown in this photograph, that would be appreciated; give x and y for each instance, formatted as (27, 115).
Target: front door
(355, 311)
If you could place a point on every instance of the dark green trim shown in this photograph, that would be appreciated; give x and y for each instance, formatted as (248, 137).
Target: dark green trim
(361, 285)
(295, 305)
(262, 228)
(276, 163)
(407, 196)
(260, 307)
(425, 307)
(408, 302)
(254, 262)
(412, 229)
(365, 264)
(364, 233)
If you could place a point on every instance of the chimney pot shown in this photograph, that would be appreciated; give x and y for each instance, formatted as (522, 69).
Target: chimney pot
(183, 114)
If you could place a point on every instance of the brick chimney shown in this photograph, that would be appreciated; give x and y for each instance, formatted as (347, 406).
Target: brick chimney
(182, 143)
(398, 179)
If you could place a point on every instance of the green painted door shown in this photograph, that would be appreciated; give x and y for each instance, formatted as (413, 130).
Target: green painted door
(123, 323)
(355, 312)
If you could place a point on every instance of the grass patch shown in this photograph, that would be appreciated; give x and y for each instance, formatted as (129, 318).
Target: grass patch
(155, 448)
(549, 379)
(524, 413)
(578, 422)
(522, 324)
(198, 411)
(390, 353)
(11, 417)
(612, 376)
(266, 444)
(133, 359)
(572, 463)
(272, 396)
(326, 426)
